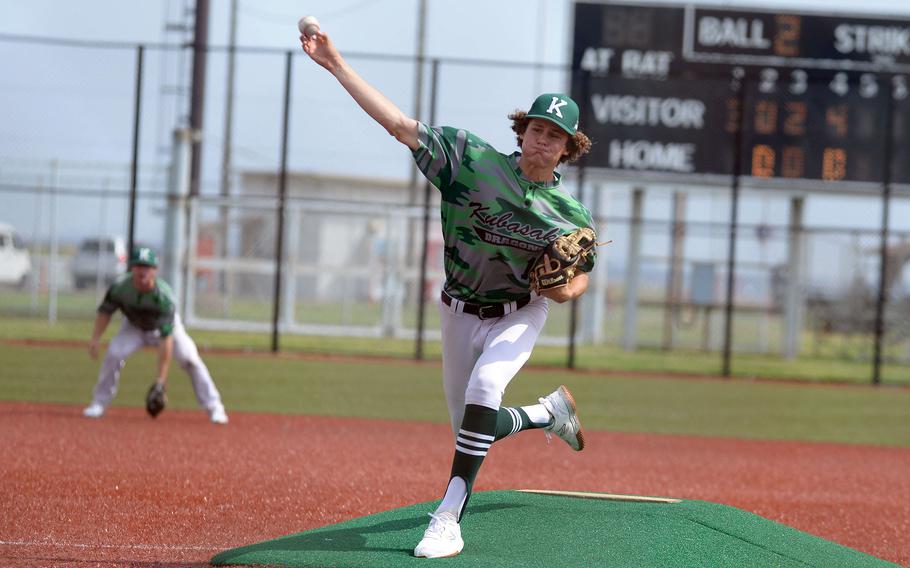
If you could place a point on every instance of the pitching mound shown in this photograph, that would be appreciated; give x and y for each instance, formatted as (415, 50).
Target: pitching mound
(554, 528)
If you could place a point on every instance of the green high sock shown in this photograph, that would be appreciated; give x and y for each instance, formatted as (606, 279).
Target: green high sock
(511, 420)
(471, 445)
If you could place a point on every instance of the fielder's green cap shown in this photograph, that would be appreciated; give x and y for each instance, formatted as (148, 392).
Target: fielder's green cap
(144, 256)
(557, 108)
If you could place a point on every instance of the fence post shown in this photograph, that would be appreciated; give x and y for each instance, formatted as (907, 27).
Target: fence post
(793, 295)
(175, 222)
(883, 262)
(675, 271)
(289, 293)
(734, 225)
(197, 94)
(630, 310)
(582, 174)
(134, 164)
(594, 301)
(427, 195)
(36, 251)
(573, 310)
(53, 282)
(189, 209)
(282, 196)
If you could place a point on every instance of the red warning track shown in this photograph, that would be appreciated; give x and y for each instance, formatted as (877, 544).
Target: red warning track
(129, 491)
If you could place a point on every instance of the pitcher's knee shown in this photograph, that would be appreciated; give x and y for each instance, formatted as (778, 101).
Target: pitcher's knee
(484, 393)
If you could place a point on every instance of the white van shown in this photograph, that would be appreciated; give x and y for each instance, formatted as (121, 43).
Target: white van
(15, 260)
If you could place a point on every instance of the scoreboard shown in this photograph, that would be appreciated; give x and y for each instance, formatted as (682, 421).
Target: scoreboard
(806, 96)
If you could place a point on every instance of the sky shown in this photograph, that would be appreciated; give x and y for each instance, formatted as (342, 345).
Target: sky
(74, 104)
(94, 87)
(382, 26)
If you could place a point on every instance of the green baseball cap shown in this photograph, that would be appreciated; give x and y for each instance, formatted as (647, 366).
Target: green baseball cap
(143, 256)
(557, 108)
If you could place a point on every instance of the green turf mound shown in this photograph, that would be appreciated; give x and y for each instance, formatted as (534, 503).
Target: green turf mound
(511, 528)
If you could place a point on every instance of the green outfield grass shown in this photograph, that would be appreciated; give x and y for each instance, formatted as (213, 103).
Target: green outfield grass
(399, 390)
(847, 369)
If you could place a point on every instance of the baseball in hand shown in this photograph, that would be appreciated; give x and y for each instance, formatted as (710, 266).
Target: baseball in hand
(308, 25)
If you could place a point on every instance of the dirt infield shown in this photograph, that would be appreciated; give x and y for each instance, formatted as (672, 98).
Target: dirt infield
(129, 491)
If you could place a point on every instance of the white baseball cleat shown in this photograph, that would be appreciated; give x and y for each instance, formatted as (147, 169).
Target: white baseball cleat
(217, 415)
(565, 420)
(442, 538)
(94, 410)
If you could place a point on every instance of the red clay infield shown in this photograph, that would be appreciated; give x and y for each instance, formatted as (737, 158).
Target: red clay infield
(127, 491)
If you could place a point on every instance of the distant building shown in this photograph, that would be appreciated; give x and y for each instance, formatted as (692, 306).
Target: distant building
(333, 221)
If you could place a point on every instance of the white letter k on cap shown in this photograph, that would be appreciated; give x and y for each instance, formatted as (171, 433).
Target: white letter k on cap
(555, 105)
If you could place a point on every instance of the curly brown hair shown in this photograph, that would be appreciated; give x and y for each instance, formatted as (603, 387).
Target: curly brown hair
(578, 145)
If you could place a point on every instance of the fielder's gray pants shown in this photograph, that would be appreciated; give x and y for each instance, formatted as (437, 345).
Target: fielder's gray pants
(129, 339)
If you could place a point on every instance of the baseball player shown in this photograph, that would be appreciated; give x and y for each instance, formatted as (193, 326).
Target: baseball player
(150, 318)
(498, 212)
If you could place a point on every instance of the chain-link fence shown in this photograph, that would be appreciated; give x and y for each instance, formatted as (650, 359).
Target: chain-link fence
(353, 214)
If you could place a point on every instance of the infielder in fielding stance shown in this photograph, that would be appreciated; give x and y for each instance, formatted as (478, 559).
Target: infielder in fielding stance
(498, 213)
(149, 318)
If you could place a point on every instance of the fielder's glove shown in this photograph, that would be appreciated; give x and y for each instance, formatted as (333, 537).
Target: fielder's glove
(556, 265)
(156, 399)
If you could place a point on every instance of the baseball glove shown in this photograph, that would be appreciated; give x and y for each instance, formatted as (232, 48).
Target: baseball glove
(556, 265)
(156, 399)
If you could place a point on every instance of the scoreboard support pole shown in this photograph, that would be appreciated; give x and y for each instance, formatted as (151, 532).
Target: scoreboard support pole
(793, 296)
(630, 308)
(675, 273)
(883, 252)
(734, 226)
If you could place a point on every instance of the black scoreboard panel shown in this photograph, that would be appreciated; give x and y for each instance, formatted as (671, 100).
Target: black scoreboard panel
(659, 91)
(813, 135)
(671, 126)
(615, 39)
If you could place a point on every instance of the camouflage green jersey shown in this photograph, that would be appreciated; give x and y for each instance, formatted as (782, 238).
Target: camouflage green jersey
(146, 310)
(495, 222)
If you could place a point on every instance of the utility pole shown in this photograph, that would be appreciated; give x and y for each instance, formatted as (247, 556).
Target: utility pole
(229, 106)
(174, 75)
(410, 250)
(418, 85)
(221, 249)
(197, 102)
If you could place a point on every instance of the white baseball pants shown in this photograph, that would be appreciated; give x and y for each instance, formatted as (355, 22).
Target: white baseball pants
(480, 357)
(130, 338)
